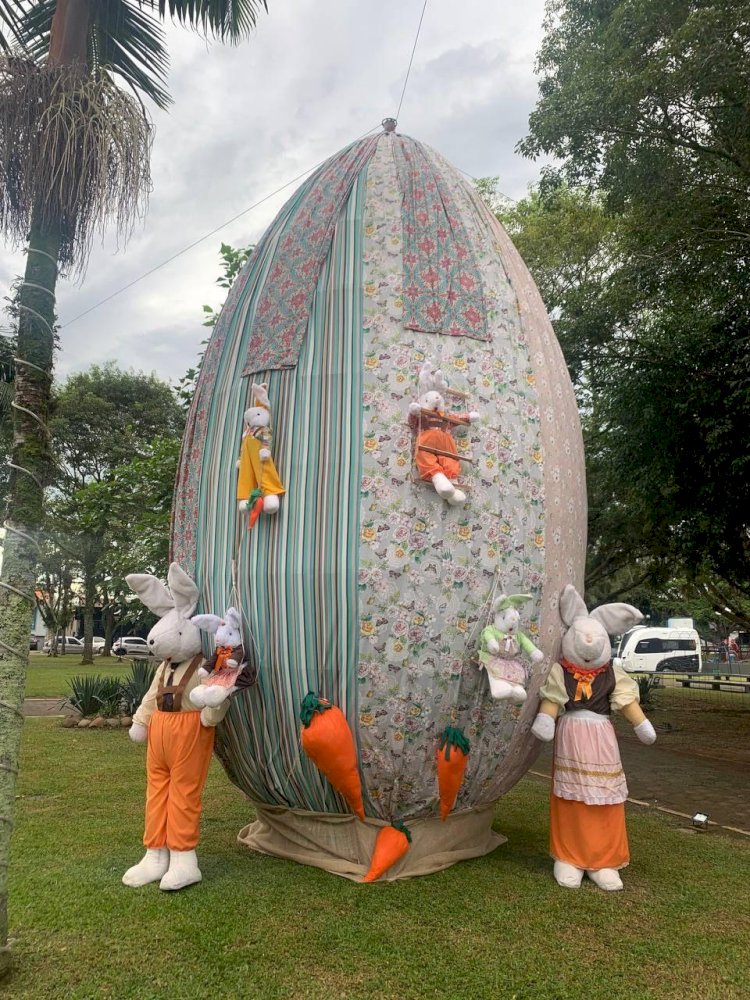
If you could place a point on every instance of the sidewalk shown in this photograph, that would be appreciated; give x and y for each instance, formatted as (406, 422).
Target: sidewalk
(43, 706)
(678, 781)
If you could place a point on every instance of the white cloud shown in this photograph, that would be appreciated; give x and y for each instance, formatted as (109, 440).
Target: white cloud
(247, 119)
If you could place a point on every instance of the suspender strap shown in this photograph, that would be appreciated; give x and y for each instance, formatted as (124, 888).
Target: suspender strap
(169, 696)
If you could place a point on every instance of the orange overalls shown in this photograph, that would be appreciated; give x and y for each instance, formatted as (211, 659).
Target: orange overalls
(177, 761)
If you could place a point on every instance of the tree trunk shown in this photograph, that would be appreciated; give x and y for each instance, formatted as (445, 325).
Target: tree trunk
(30, 467)
(108, 617)
(89, 600)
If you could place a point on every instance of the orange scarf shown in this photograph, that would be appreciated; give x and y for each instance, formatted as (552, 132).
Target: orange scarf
(583, 676)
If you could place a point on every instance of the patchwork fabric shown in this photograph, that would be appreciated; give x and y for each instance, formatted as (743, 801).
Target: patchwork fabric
(284, 305)
(442, 288)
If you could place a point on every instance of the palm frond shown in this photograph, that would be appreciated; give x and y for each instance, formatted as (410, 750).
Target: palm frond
(74, 150)
(227, 20)
(11, 12)
(124, 40)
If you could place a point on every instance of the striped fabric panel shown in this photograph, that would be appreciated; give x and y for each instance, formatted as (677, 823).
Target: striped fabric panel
(213, 397)
(297, 571)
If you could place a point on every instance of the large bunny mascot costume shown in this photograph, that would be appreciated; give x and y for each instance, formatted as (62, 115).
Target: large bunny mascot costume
(180, 736)
(587, 806)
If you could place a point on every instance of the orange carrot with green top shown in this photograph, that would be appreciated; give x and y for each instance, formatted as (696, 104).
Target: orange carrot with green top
(391, 844)
(328, 742)
(451, 758)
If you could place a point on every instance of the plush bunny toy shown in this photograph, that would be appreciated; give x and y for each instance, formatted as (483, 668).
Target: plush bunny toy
(258, 484)
(500, 646)
(226, 671)
(435, 446)
(180, 738)
(587, 806)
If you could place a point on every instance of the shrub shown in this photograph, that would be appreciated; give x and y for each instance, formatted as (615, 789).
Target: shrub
(85, 693)
(110, 697)
(646, 684)
(136, 684)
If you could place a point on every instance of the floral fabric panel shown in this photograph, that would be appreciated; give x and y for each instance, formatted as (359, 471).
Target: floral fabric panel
(283, 309)
(427, 570)
(442, 284)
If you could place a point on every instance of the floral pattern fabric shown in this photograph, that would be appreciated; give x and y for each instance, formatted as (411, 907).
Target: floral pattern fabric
(428, 569)
(442, 286)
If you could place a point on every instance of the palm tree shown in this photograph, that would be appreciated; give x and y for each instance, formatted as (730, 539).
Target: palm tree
(74, 156)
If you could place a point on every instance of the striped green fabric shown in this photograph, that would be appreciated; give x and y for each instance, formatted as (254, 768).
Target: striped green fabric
(295, 572)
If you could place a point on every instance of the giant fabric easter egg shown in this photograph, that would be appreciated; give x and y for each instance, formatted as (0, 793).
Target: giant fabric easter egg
(367, 587)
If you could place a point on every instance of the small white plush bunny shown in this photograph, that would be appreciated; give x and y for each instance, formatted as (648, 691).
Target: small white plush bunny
(500, 647)
(587, 807)
(258, 485)
(436, 454)
(226, 671)
(180, 738)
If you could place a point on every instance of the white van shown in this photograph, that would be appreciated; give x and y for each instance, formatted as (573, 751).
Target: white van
(647, 648)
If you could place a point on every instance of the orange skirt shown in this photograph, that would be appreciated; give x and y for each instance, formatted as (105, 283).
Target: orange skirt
(589, 837)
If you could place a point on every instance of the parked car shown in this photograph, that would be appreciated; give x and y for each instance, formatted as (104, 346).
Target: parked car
(649, 648)
(131, 645)
(72, 645)
(34, 642)
(98, 644)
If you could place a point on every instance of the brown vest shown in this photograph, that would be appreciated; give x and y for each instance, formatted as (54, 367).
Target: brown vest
(169, 696)
(602, 687)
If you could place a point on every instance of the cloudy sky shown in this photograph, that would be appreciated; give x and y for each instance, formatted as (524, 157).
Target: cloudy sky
(246, 120)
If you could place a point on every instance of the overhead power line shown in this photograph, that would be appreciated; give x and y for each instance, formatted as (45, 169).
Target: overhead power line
(217, 229)
(202, 239)
(411, 58)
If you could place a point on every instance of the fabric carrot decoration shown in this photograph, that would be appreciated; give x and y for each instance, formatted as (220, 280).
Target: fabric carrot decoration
(255, 505)
(391, 844)
(451, 758)
(328, 742)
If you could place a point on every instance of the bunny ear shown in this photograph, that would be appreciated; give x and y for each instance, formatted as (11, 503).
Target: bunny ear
(233, 618)
(516, 600)
(151, 591)
(425, 374)
(571, 605)
(184, 591)
(207, 623)
(617, 618)
(499, 603)
(259, 394)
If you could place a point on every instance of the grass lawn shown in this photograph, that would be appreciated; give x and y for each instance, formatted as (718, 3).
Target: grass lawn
(48, 676)
(497, 927)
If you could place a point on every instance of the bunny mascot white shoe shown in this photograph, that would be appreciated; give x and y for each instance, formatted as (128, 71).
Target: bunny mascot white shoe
(180, 737)
(500, 648)
(587, 806)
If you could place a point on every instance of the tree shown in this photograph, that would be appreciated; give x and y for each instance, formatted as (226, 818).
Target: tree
(73, 156)
(107, 428)
(645, 105)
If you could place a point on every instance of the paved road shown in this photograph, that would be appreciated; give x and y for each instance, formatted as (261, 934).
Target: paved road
(676, 780)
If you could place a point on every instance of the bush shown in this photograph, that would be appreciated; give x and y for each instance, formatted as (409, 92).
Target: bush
(110, 697)
(134, 687)
(646, 684)
(85, 693)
